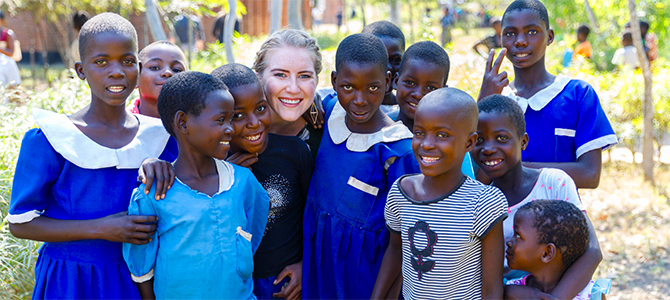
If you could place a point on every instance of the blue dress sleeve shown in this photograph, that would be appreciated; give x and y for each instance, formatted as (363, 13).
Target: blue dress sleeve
(141, 259)
(256, 208)
(38, 168)
(594, 130)
(404, 164)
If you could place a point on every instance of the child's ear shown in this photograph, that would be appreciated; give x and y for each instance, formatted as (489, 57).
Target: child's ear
(333, 79)
(524, 141)
(388, 80)
(79, 68)
(550, 252)
(180, 122)
(472, 140)
(551, 37)
(395, 81)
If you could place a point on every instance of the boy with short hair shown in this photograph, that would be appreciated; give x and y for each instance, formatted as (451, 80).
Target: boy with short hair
(564, 116)
(626, 56)
(158, 62)
(460, 217)
(584, 47)
(424, 68)
(492, 41)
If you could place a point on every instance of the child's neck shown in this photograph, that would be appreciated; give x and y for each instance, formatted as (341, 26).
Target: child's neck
(389, 99)
(546, 279)
(517, 183)
(406, 121)
(283, 127)
(426, 188)
(148, 108)
(531, 80)
(197, 171)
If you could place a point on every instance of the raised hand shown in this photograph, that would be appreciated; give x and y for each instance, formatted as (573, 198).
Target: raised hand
(162, 171)
(127, 229)
(494, 81)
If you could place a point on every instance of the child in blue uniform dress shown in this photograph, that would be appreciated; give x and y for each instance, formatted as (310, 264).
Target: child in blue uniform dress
(75, 174)
(212, 219)
(362, 153)
(567, 127)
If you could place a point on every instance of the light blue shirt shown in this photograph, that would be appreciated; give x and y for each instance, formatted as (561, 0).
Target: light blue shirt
(203, 246)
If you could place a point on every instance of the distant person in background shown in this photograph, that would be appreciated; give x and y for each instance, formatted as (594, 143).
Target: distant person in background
(339, 18)
(649, 41)
(626, 56)
(181, 28)
(220, 24)
(584, 47)
(9, 71)
(78, 20)
(490, 42)
(447, 22)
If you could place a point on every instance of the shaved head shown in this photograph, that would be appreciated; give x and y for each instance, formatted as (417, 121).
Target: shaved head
(456, 106)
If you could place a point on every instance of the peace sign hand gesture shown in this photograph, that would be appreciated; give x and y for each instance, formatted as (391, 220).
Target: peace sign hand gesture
(493, 82)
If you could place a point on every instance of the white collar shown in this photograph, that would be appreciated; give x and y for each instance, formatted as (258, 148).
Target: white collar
(541, 98)
(82, 151)
(226, 175)
(361, 142)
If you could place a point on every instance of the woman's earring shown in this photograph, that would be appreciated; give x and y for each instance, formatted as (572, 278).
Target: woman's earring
(313, 113)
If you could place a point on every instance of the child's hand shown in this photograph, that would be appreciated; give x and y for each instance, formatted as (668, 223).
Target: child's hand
(127, 229)
(243, 159)
(162, 171)
(314, 114)
(293, 291)
(493, 82)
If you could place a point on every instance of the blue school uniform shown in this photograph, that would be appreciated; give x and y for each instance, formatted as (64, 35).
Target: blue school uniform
(564, 121)
(63, 174)
(203, 247)
(344, 229)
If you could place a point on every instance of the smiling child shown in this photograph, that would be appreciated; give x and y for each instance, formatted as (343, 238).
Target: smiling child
(446, 228)
(214, 215)
(283, 165)
(566, 123)
(158, 62)
(362, 153)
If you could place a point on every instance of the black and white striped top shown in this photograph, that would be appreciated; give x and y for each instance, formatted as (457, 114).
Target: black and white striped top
(441, 238)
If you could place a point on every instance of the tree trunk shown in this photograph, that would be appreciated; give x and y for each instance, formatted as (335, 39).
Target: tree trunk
(592, 16)
(363, 4)
(276, 12)
(411, 22)
(394, 14)
(295, 14)
(154, 20)
(61, 38)
(228, 30)
(647, 131)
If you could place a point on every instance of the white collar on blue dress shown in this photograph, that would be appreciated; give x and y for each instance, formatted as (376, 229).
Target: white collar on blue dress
(541, 98)
(79, 149)
(361, 142)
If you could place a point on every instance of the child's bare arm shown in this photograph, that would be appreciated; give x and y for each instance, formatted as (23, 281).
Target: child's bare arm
(116, 228)
(390, 269)
(577, 276)
(493, 247)
(147, 290)
(162, 171)
(585, 171)
(494, 81)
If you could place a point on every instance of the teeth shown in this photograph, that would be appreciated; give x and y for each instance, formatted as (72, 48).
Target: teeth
(289, 101)
(253, 137)
(224, 143)
(429, 159)
(522, 55)
(412, 104)
(492, 162)
(115, 89)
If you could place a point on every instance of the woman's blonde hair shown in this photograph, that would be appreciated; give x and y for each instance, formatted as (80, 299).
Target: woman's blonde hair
(292, 38)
